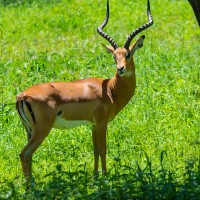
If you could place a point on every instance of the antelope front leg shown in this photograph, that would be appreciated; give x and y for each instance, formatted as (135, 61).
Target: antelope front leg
(101, 141)
(96, 150)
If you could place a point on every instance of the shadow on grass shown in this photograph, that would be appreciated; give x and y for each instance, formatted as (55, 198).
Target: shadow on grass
(126, 183)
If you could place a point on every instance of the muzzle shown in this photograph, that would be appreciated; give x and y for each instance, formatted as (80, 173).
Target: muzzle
(121, 71)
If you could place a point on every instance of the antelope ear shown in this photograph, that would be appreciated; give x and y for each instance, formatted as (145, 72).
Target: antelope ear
(110, 49)
(138, 44)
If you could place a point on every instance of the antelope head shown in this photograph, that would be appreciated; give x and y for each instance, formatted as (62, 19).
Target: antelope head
(124, 55)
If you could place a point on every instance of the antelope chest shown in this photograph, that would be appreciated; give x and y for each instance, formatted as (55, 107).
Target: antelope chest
(61, 123)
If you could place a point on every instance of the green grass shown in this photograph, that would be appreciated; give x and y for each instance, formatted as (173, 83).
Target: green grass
(153, 144)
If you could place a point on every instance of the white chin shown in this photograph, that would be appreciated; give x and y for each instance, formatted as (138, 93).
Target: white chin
(123, 74)
(127, 74)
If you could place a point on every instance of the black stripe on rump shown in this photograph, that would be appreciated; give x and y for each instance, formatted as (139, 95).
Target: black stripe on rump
(30, 110)
(21, 116)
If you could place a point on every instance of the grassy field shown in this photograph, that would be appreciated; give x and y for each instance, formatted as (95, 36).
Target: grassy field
(153, 144)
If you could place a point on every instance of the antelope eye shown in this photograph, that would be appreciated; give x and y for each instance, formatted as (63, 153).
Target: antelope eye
(128, 55)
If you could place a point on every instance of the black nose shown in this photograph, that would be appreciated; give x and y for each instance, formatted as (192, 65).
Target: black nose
(121, 69)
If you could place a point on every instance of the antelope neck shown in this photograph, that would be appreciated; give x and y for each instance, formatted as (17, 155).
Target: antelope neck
(121, 88)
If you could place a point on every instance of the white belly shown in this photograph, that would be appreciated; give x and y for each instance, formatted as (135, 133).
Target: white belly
(61, 123)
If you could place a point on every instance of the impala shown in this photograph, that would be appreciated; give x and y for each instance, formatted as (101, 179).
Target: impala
(91, 101)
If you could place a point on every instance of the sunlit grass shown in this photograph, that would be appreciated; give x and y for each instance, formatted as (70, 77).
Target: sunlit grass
(153, 144)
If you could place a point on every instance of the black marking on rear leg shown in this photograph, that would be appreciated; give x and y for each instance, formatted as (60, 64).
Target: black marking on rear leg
(30, 110)
(59, 113)
(21, 116)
